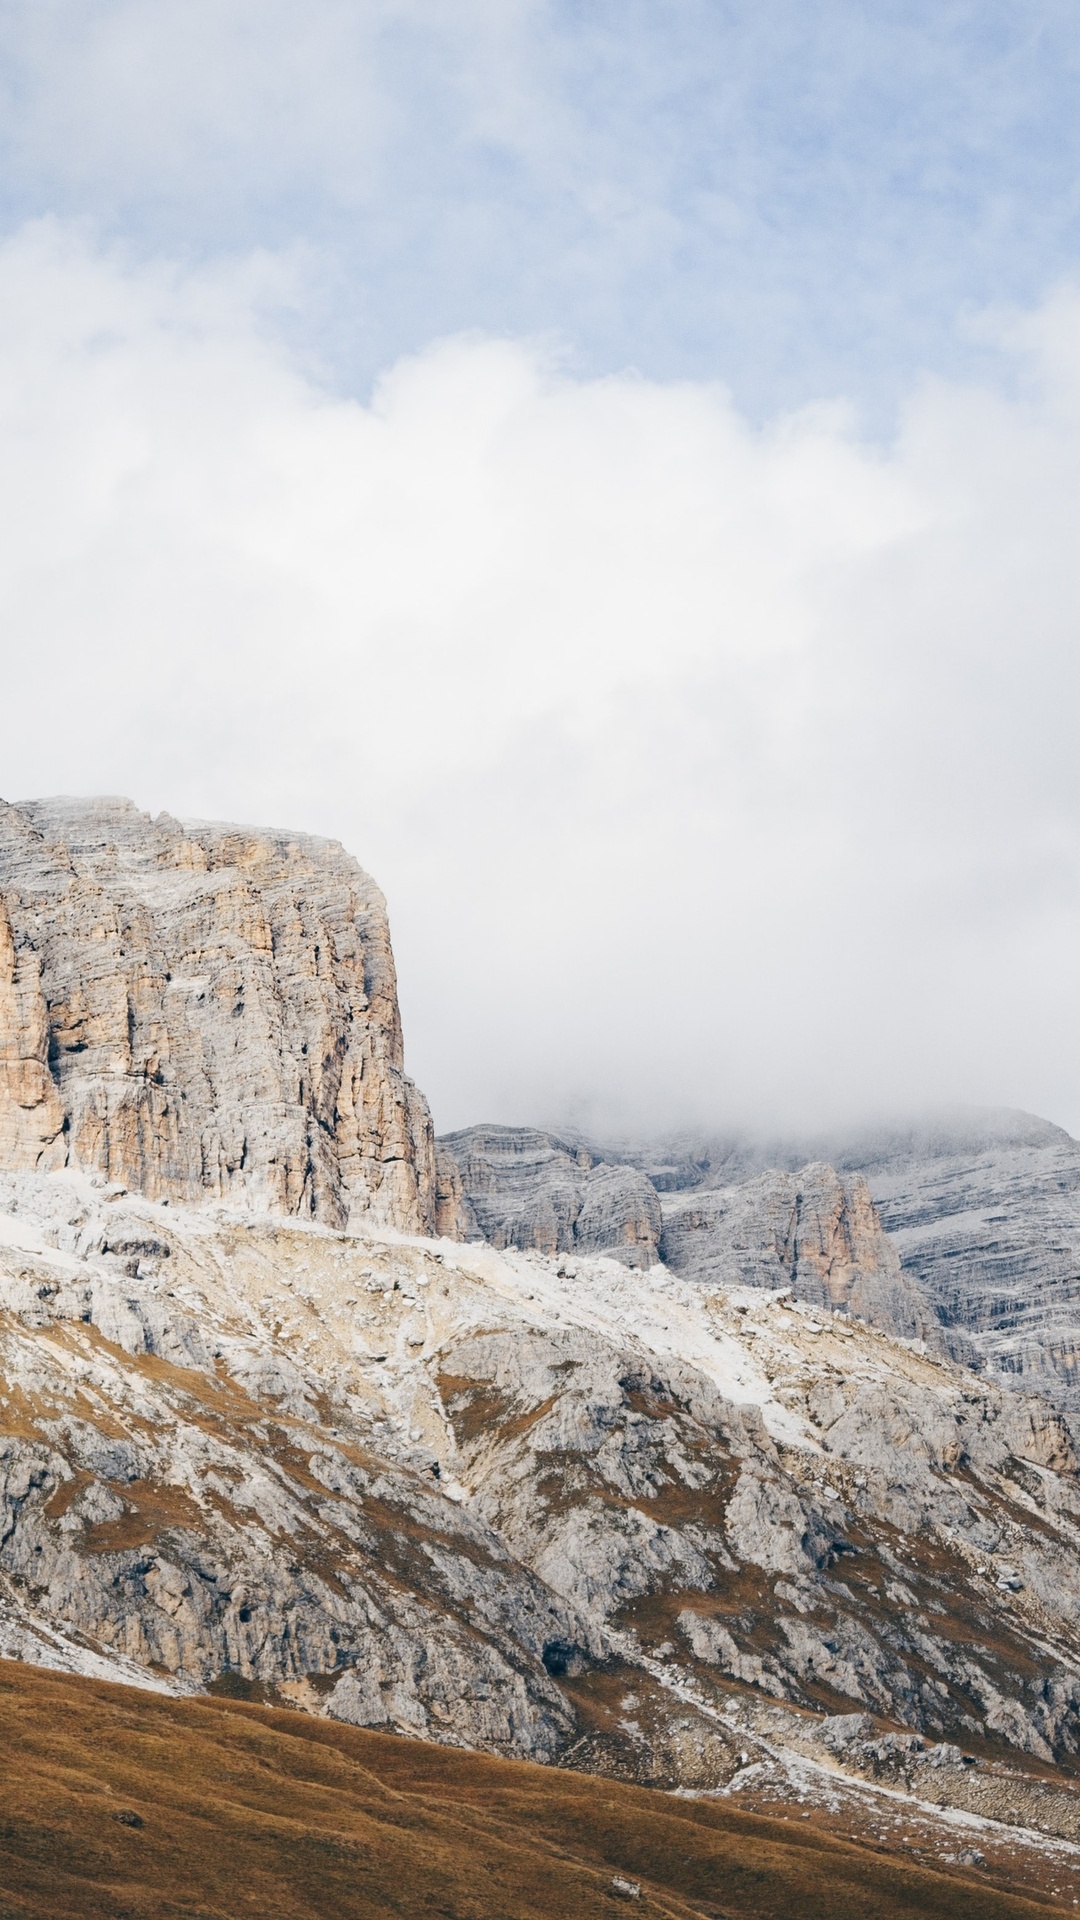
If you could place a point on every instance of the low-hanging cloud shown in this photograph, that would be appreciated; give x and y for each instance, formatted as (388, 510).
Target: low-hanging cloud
(711, 771)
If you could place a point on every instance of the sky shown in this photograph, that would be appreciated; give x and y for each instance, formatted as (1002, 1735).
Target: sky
(617, 468)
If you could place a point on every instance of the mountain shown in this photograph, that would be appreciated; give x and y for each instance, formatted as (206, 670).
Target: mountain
(522, 1187)
(963, 1231)
(731, 1525)
(203, 1012)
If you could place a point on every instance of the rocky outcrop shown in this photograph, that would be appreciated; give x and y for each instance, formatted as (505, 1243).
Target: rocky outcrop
(537, 1504)
(452, 1491)
(204, 1012)
(981, 1207)
(984, 1212)
(258, 1430)
(815, 1232)
(521, 1187)
(207, 1469)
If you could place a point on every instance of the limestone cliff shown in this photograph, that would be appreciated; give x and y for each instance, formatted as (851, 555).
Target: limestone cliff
(814, 1231)
(980, 1206)
(522, 1187)
(203, 1011)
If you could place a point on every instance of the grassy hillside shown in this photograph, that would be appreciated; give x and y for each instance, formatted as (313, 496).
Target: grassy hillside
(119, 1803)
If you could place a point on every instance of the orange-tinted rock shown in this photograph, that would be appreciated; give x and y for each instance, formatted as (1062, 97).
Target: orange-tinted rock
(204, 1011)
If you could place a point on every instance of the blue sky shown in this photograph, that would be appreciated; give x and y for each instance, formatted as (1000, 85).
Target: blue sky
(801, 200)
(615, 467)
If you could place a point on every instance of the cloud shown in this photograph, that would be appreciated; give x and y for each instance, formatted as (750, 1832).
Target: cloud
(710, 769)
(801, 199)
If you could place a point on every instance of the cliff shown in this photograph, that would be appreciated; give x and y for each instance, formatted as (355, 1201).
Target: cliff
(522, 1187)
(695, 1524)
(814, 1231)
(974, 1241)
(203, 1011)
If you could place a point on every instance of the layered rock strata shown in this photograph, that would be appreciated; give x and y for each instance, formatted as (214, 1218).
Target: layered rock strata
(204, 1012)
(815, 1232)
(981, 1207)
(522, 1187)
(985, 1216)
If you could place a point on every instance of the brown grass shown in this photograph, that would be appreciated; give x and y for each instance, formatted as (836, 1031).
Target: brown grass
(118, 1805)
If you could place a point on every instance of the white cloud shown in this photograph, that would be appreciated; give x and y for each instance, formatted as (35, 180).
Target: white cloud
(803, 198)
(707, 769)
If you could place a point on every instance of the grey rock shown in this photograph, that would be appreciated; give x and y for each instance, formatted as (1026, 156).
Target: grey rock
(981, 1208)
(986, 1219)
(203, 1012)
(521, 1187)
(814, 1232)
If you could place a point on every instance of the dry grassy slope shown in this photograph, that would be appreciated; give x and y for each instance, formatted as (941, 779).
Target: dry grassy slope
(119, 1803)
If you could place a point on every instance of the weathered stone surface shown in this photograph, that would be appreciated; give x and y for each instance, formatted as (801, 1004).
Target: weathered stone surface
(480, 1492)
(204, 1012)
(981, 1207)
(203, 1472)
(521, 1187)
(814, 1231)
(984, 1212)
(443, 1488)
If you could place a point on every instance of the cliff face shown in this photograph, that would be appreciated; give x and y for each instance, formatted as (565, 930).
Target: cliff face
(814, 1231)
(981, 1207)
(202, 1011)
(986, 1220)
(521, 1187)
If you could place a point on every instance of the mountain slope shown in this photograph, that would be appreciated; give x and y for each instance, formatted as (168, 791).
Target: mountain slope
(963, 1231)
(116, 1803)
(261, 1432)
(482, 1496)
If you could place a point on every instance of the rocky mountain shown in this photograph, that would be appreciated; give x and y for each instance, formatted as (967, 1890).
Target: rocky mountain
(981, 1208)
(815, 1232)
(984, 1212)
(726, 1523)
(521, 1187)
(963, 1232)
(203, 1011)
(547, 1506)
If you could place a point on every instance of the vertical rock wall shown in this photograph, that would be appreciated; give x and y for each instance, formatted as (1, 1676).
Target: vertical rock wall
(204, 1011)
(521, 1187)
(815, 1231)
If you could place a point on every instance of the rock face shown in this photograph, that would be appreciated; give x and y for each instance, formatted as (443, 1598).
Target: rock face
(258, 1429)
(982, 1209)
(815, 1232)
(204, 1012)
(224, 1485)
(520, 1187)
(490, 1497)
(985, 1215)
